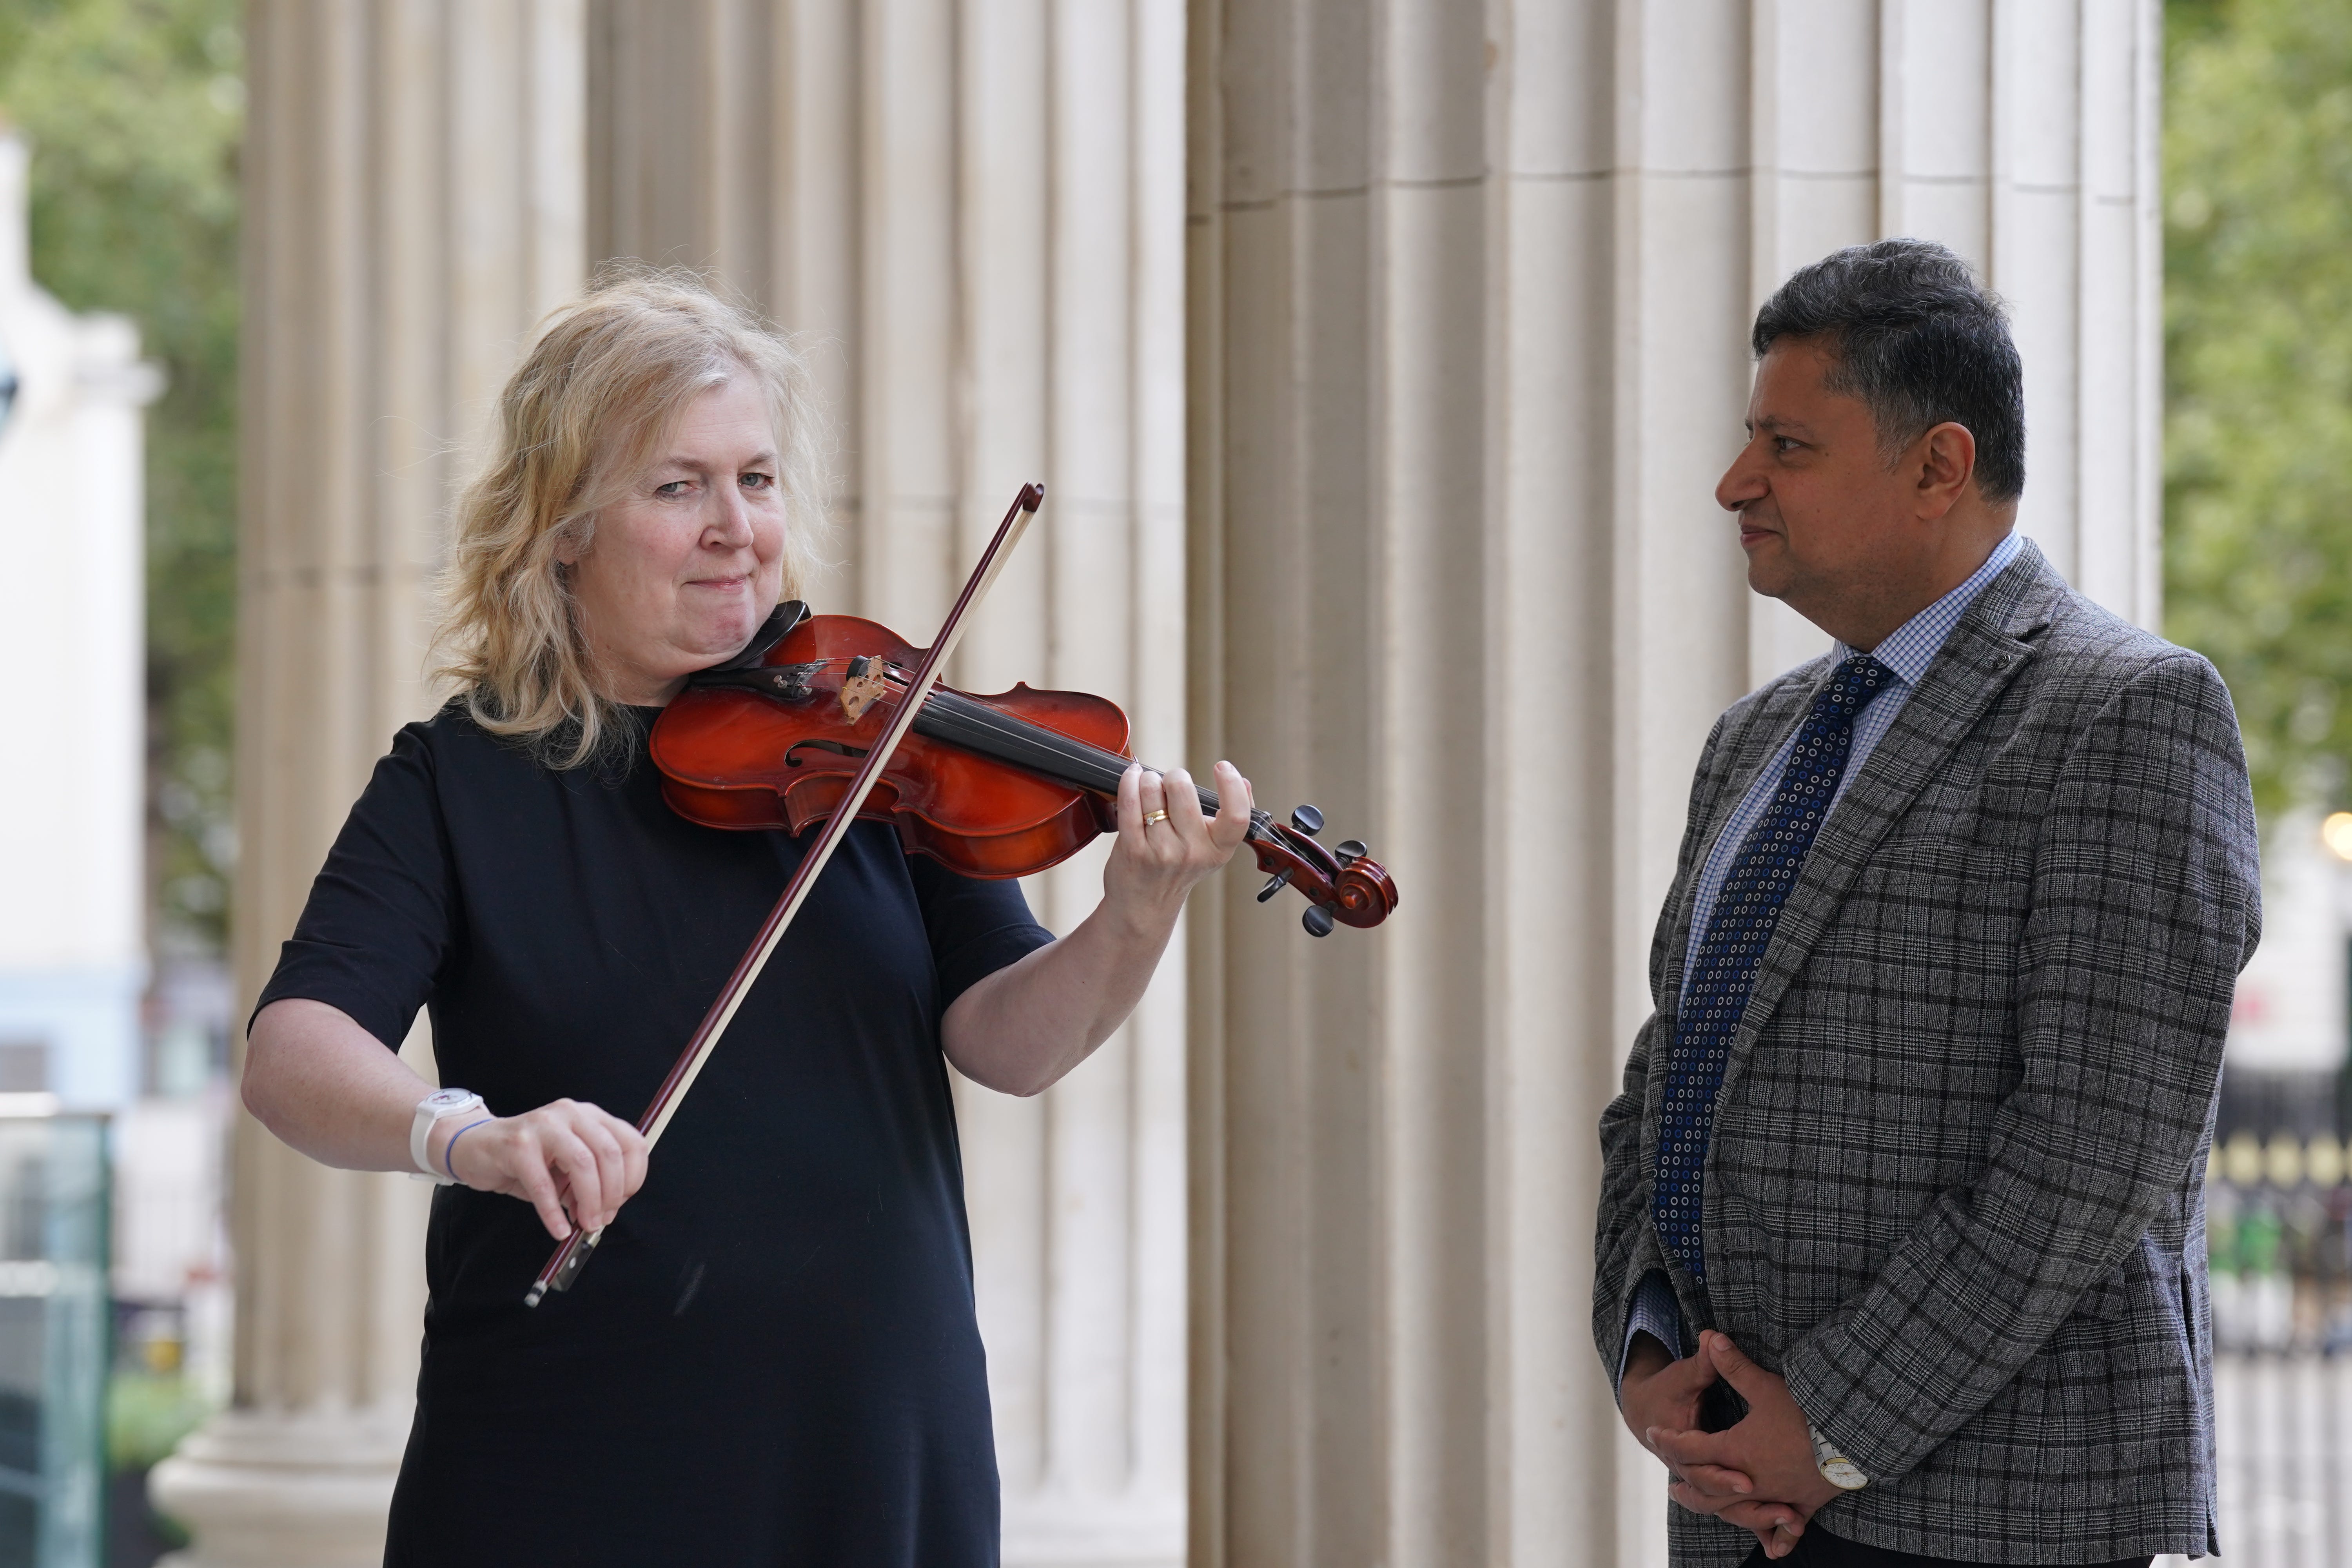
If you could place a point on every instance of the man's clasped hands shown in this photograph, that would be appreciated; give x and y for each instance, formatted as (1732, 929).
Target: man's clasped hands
(1759, 1474)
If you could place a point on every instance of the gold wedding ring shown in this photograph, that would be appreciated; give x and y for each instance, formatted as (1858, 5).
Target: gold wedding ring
(1151, 817)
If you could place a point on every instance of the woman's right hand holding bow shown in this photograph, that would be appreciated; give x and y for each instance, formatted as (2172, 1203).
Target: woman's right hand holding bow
(329, 1088)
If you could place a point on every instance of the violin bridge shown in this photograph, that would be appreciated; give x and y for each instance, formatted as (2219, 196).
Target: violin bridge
(861, 687)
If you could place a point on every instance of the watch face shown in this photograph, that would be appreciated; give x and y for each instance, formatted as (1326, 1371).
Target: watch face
(1843, 1472)
(441, 1097)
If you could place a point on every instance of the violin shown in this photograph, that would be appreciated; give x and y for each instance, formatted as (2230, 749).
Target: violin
(1003, 785)
(834, 718)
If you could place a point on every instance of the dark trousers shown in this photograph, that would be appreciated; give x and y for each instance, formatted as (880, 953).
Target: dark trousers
(1817, 1548)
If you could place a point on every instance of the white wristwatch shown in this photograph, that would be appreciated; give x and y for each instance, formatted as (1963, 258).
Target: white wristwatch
(1836, 1468)
(432, 1110)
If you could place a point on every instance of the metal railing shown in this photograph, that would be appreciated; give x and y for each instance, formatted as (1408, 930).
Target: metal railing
(2277, 1216)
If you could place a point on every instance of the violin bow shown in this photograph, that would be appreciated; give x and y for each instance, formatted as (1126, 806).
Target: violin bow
(579, 1246)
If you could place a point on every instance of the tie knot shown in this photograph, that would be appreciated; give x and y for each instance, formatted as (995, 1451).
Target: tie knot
(1852, 686)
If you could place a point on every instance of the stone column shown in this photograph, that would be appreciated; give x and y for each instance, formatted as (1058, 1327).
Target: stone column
(1469, 291)
(973, 209)
(414, 188)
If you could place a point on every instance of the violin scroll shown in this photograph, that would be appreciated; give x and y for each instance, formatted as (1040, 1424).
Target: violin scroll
(1343, 885)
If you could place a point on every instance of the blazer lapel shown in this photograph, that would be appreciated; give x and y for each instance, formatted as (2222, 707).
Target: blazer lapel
(1983, 654)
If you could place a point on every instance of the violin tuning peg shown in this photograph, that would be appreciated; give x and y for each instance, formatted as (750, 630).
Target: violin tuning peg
(1350, 850)
(1273, 885)
(1317, 920)
(1306, 819)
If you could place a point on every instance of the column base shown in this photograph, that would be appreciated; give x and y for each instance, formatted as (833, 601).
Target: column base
(267, 1490)
(1048, 1530)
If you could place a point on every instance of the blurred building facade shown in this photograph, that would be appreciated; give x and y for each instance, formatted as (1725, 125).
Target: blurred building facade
(72, 942)
(1381, 359)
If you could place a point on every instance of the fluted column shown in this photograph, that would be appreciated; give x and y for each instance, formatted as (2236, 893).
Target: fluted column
(973, 208)
(1469, 292)
(414, 188)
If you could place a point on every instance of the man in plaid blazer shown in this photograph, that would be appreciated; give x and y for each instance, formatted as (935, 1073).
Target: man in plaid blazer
(1901, 1254)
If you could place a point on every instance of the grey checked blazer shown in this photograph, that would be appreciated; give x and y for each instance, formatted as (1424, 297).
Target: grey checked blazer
(1956, 1189)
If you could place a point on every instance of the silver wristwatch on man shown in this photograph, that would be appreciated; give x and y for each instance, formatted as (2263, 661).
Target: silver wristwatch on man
(431, 1111)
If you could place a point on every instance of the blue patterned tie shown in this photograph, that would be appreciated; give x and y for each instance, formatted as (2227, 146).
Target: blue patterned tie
(1715, 993)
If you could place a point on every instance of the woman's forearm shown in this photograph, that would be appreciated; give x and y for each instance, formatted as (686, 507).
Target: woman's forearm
(324, 1084)
(326, 1087)
(1019, 1030)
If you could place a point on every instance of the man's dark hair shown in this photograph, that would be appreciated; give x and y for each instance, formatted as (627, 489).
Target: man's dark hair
(1918, 342)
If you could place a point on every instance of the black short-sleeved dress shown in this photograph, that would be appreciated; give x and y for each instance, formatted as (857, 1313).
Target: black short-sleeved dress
(773, 1359)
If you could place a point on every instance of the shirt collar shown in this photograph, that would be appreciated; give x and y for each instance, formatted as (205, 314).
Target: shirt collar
(1912, 647)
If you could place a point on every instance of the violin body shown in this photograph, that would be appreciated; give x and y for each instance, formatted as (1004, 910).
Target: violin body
(993, 786)
(731, 759)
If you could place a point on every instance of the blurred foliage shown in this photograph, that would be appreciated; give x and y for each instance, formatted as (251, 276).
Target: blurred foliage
(2258, 326)
(134, 110)
(147, 1414)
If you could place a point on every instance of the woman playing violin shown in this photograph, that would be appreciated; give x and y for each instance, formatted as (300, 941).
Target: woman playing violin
(775, 1359)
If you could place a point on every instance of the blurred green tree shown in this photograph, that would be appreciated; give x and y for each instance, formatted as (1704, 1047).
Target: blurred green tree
(134, 110)
(2258, 342)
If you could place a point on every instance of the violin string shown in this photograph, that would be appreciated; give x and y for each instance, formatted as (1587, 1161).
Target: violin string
(1097, 768)
(977, 717)
(1032, 741)
(1064, 763)
(1111, 764)
(1021, 740)
(1070, 760)
(1105, 767)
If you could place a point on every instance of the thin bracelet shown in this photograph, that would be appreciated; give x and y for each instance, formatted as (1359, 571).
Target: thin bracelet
(449, 1150)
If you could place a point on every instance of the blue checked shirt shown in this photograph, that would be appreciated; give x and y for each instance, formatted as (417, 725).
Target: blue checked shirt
(1907, 651)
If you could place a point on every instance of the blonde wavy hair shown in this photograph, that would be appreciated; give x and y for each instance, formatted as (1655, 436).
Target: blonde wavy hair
(590, 407)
